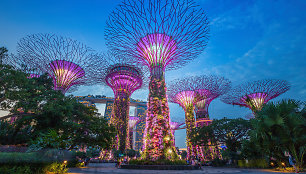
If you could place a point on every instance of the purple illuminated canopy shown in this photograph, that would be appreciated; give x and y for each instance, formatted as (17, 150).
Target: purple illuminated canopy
(68, 62)
(255, 94)
(168, 33)
(175, 125)
(124, 78)
(156, 50)
(132, 122)
(65, 74)
(198, 90)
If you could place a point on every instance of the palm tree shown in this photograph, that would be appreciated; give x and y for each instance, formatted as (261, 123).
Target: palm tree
(281, 127)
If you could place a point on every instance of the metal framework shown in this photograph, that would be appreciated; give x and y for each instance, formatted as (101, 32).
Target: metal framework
(124, 78)
(68, 62)
(255, 94)
(19, 63)
(160, 34)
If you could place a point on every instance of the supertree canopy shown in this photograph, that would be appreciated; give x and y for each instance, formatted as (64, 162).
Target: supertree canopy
(212, 87)
(160, 34)
(133, 121)
(175, 126)
(124, 78)
(255, 94)
(68, 62)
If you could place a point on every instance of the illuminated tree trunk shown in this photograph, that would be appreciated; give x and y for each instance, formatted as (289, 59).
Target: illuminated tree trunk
(121, 119)
(158, 141)
(190, 124)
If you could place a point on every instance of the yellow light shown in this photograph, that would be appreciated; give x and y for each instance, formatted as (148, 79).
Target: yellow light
(170, 151)
(65, 162)
(283, 164)
(167, 138)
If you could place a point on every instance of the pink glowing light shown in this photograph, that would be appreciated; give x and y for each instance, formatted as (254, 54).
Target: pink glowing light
(256, 100)
(256, 93)
(124, 78)
(65, 74)
(33, 76)
(186, 98)
(132, 122)
(157, 49)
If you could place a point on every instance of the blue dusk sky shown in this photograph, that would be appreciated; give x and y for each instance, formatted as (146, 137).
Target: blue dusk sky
(249, 40)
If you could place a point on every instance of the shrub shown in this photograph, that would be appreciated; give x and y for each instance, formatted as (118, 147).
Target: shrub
(254, 163)
(82, 164)
(217, 162)
(23, 168)
(58, 168)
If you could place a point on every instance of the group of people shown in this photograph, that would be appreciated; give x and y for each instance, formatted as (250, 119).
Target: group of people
(194, 162)
(120, 161)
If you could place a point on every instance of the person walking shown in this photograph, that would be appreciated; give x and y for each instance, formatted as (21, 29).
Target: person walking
(291, 161)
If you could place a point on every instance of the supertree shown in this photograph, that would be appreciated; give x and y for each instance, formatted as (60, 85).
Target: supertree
(183, 92)
(212, 87)
(254, 95)
(133, 121)
(124, 78)
(68, 62)
(160, 34)
(192, 92)
(175, 126)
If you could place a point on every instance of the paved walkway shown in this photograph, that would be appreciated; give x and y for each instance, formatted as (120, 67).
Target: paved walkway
(110, 168)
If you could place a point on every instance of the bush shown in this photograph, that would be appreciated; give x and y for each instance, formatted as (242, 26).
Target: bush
(29, 163)
(58, 168)
(255, 163)
(158, 162)
(23, 168)
(217, 162)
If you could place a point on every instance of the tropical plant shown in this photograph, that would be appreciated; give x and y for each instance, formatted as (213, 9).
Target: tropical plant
(280, 127)
(50, 140)
(226, 131)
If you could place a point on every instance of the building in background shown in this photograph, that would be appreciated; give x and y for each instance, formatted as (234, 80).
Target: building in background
(105, 105)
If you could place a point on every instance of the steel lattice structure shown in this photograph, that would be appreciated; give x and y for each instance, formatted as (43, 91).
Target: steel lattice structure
(124, 78)
(160, 34)
(68, 62)
(19, 63)
(197, 90)
(255, 94)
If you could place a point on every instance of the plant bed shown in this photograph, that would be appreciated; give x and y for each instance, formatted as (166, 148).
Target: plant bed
(160, 167)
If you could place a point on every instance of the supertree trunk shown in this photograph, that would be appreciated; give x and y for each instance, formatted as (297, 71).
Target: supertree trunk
(121, 120)
(190, 124)
(158, 138)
